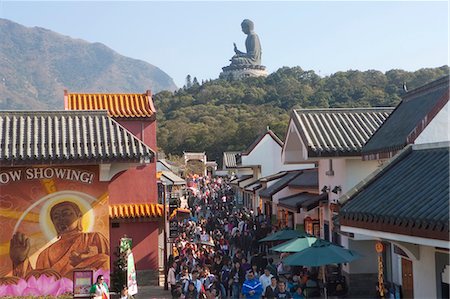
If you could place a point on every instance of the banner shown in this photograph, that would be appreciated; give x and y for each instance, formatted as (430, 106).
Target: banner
(54, 220)
(131, 275)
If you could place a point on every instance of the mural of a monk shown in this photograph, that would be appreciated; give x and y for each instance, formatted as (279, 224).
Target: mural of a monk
(74, 248)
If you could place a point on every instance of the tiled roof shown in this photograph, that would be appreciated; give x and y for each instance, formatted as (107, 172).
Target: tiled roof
(253, 186)
(308, 179)
(273, 176)
(304, 200)
(337, 132)
(260, 138)
(280, 184)
(241, 178)
(407, 121)
(409, 196)
(229, 159)
(59, 136)
(118, 105)
(124, 211)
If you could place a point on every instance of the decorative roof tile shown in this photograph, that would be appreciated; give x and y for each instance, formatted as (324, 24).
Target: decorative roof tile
(129, 105)
(124, 211)
(61, 136)
(409, 196)
(408, 120)
(229, 159)
(338, 132)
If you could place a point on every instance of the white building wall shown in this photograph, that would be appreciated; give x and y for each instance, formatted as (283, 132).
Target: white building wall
(283, 193)
(438, 130)
(338, 179)
(267, 154)
(424, 273)
(356, 171)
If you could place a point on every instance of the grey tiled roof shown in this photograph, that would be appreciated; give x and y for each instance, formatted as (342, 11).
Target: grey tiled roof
(241, 178)
(229, 159)
(280, 184)
(304, 200)
(409, 118)
(409, 196)
(62, 136)
(308, 179)
(337, 132)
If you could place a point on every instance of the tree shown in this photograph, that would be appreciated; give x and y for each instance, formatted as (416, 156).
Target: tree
(188, 82)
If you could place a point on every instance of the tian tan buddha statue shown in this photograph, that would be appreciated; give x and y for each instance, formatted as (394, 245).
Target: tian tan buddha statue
(246, 64)
(252, 45)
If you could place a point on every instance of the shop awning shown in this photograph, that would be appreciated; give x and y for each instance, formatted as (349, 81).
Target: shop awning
(127, 211)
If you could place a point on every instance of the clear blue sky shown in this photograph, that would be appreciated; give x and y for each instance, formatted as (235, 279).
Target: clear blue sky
(197, 37)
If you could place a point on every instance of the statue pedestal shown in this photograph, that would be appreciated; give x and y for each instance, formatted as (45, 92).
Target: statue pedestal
(243, 71)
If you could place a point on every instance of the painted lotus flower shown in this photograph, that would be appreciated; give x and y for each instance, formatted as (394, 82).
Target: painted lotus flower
(43, 285)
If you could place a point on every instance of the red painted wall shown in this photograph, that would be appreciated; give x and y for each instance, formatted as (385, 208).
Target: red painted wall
(137, 185)
(145, 242)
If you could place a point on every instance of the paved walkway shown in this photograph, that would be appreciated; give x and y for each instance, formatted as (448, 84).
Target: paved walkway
(150, 292)
(153, 292)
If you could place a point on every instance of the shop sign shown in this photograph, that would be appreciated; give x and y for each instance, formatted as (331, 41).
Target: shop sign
(379, 249)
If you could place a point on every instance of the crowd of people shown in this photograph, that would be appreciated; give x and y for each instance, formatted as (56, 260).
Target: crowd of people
(217, 253)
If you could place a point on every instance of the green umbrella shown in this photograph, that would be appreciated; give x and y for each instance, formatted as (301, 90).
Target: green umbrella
(321, 253)
(295, 245)
(285, 234)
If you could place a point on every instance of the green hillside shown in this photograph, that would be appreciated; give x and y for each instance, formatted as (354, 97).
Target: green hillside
(219, 115)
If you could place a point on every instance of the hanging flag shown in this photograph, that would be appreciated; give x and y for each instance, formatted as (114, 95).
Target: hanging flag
(131, 275)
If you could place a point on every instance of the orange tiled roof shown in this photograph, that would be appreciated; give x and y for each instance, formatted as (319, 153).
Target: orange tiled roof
(118, 105)
(151, 210)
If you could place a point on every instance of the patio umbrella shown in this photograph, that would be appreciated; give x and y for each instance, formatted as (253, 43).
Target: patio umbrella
(285, 234)
(295, 245)
(322, 253)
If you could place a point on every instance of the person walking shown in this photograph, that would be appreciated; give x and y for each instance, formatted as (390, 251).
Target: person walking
(252, 288)
(272, 289)
(236, 281)
(265, 280)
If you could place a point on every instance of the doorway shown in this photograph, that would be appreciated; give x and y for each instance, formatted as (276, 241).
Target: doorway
(407, 279)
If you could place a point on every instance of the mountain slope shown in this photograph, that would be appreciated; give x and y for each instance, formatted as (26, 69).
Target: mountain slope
(36, 65)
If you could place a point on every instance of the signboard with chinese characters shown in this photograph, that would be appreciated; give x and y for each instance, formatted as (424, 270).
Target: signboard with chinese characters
(173, 222)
